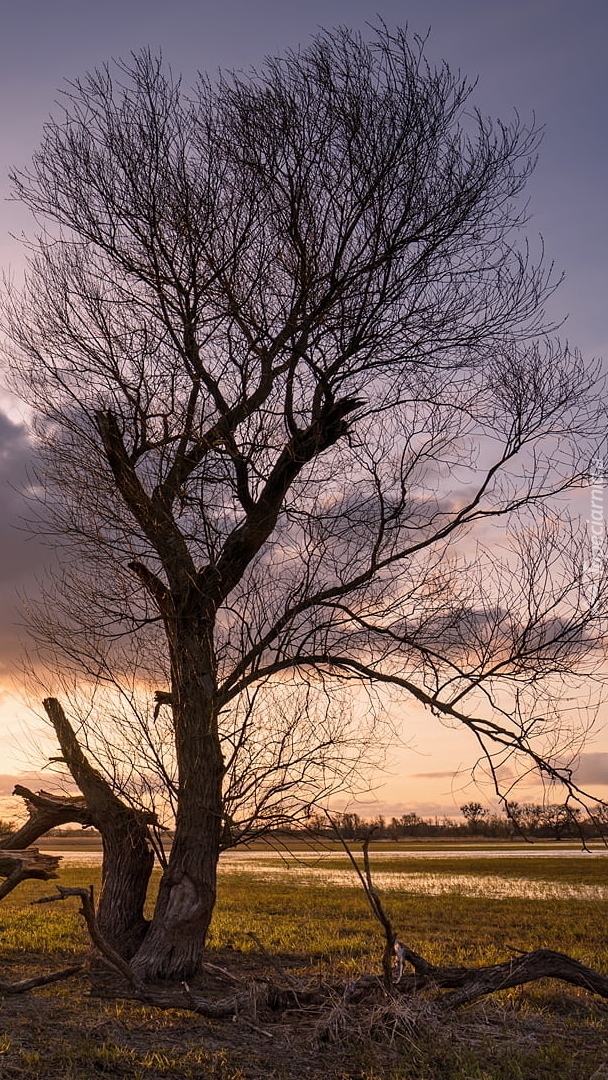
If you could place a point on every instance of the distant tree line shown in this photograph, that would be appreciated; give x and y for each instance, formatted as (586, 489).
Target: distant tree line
(549, 821)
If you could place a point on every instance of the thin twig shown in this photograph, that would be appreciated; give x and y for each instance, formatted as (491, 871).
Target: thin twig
(374, 901)
(254, 1027)
(214, 969)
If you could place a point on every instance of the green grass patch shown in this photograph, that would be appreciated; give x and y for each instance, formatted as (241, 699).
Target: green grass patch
(334, 925)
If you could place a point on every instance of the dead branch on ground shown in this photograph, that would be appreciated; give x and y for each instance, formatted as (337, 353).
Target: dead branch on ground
(24, 985)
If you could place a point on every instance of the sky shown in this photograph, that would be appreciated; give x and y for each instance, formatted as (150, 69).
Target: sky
(541, 57)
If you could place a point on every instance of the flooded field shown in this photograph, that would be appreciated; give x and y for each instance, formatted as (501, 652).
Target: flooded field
(392, 873)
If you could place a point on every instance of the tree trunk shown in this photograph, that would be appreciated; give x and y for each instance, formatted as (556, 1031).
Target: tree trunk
(175, 942)
(128, 857)
(127, 864)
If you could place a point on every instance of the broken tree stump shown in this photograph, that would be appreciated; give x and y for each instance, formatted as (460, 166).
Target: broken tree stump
(46, 811)
(16, 866)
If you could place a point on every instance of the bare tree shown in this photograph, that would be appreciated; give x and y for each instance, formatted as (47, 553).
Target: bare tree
(300, 432)
(475, 816)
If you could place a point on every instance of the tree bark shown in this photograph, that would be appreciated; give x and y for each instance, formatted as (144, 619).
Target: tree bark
(467, 984)
(128, 856)
(174, 945)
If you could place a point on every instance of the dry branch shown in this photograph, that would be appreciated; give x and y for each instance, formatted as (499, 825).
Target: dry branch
(465, 984)
(88, 911)
(334, 1002)
(468, 984)
(23, 985)
(180, 998)
(46, 811)
(30, 861)
(375, 903)
(73, 807)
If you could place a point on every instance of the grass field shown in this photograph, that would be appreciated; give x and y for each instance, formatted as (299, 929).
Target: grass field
(311, 914)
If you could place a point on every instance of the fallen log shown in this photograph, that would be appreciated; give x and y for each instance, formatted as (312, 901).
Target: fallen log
(469, 984)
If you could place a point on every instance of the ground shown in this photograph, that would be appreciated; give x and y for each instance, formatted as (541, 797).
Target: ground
(63, 1033)
(317, 932)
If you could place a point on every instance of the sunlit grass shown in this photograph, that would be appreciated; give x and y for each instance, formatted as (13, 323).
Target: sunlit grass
(333, 924)
(54, 929)
(83, 1059)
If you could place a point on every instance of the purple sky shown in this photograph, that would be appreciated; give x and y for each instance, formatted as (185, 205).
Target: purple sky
(535, 56)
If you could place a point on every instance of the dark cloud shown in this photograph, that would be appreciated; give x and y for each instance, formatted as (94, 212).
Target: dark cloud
(19, 553)
(22, 554)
